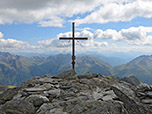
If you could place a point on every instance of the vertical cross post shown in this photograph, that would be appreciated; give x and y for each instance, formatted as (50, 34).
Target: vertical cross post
(73, 46)
(73, 38)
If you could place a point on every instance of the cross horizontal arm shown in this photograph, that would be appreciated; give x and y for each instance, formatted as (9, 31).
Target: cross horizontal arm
(62, 38)
(70, 38)
(81, 38)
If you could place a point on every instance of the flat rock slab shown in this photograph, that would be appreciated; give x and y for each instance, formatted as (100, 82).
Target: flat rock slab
(34, 89)
(18, 107)
(66, 74)
(132, 80)
(149, 93)
(147, 101)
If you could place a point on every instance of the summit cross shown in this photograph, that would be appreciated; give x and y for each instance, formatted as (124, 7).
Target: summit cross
(73, 38)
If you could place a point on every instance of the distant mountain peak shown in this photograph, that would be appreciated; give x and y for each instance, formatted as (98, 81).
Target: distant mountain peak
(14, 69)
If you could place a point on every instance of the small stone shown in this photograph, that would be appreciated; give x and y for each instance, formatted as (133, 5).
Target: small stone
(37, 100)
(45, 108)
(147, 101)
(52, 93)
(149, 93)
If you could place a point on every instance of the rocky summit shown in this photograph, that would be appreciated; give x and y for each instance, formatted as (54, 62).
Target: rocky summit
(68, 93)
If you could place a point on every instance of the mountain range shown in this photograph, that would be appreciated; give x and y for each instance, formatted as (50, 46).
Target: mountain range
(15, 69)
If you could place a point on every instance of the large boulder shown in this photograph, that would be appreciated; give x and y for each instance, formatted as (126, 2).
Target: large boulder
(2, 88)
(37, 100)
(96, 107)
(130, 104)
(18, 107)
(132, 80)
(66, 74)
(8, 95)
(46, 107)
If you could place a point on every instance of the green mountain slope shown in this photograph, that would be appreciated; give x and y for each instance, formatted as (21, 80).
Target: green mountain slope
(92, 64)
(141, 67)
(15, 69)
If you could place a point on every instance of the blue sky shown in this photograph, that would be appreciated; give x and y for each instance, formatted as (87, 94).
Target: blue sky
(34, 26)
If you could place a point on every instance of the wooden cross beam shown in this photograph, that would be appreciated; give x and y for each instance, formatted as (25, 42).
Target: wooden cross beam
(73, 38)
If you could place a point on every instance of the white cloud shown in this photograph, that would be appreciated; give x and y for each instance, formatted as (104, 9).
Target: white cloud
(54, 22)
(15, 45)
(54, 12)
(65, 45)
(54, 43)
(1, 35)
(101, 44)
(46, 12)
(134, 38)
(108, 34)
(11, 43)
(86, 28)
(133, 35)
(115, 12)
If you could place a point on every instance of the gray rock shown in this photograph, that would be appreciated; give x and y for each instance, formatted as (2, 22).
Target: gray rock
(147, 101)
(132, 80)
(144, 91)
(34, 89)
(52, 93)
(66, 74)
(8, 95)
(144, 88)
(127, 89)
(85, 76)
(18, 107)
(148, 93)
(46, 107)
(103, 94)
(57, 111)
(37, 100)
(1, 112)
(3, 88)
(67, 93)
(130, 104)
(96, 107)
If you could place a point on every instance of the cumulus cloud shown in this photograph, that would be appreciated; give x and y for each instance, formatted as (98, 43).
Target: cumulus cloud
(108, 34)
(119, 11)
(15, 45)
(54, 12)
(86, 28)
(46, 12)
(12, 44)
(134, 38)
(65, 45)
(133, 35)
(54, 22)
(1, 35)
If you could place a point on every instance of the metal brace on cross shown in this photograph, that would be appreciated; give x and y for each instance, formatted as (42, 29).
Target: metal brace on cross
(73, 38)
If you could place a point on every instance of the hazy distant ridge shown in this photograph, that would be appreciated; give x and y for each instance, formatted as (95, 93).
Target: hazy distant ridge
(15, 69)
